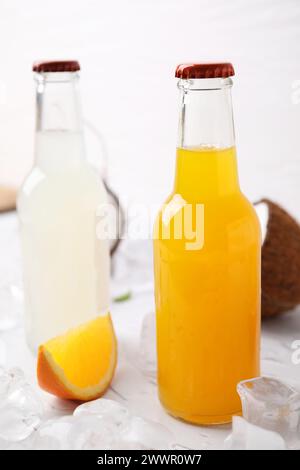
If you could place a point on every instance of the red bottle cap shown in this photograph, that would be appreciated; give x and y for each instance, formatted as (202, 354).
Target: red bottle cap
(205, 70)
(56, 66)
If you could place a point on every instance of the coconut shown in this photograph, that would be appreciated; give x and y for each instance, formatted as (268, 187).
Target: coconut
(280, 258)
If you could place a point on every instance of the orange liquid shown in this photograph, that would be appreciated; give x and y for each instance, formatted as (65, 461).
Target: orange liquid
(207, 293)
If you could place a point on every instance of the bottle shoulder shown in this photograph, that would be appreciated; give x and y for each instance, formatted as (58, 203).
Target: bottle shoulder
(82, 183)
(225, 216)
(233, 203)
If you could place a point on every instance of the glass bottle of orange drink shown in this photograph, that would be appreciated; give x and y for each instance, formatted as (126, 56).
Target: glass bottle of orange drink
(207, 260)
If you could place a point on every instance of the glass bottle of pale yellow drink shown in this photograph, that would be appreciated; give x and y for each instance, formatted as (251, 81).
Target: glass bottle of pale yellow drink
(207, 260)
(65, 264)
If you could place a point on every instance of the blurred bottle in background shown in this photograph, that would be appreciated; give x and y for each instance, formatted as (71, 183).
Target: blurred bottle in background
(66, 267)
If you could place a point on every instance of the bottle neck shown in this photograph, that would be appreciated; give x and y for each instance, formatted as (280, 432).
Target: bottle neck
(206, 162)
(59, 136)
(206, 117)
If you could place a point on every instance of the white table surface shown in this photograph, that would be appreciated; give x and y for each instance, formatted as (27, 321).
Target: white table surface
(131, 385)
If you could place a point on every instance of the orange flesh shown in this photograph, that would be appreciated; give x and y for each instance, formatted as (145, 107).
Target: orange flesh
(80, 364)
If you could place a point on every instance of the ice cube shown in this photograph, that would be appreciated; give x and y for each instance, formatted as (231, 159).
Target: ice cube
(89, 432)
(146, 434)
(247, 436)
(272, 405)
(148, 361)
(53, 434)
(81, 432)
(10, 380)
(118, 429)
(113, 412)
(20, 407)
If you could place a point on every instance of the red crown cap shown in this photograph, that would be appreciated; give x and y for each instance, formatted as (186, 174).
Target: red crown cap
(56, 66)
(205, 70)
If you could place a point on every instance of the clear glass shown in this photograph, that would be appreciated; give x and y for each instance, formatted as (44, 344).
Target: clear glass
(57, 102)
(272, 405)
(207, 266)
(65, 263)
(58, 121)
(206, 118)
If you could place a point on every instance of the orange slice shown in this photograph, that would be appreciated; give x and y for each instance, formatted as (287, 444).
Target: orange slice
(80, 364)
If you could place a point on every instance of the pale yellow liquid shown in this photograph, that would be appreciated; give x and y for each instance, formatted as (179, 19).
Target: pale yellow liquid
(207, 299)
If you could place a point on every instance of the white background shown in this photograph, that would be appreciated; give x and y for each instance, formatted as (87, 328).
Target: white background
(128, 50)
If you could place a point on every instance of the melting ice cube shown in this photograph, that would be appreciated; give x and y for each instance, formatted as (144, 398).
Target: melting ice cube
(145, 434)
(80, 432)
(53, 434)
(91, 433)
(10, 380)
(272, 405)
(20, 408)
(112, 427)
(113, 412)
(247, 436)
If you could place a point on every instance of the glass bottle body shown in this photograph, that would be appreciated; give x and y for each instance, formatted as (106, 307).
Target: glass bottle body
(207, 266)
(66, 267)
